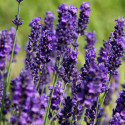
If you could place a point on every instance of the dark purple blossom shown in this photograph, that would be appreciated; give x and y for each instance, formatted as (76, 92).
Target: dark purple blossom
(32, 59)
(39, 49)
(49, 21)
(91, 114)
(90, 49)
(17, 21)
(113, 49)
(66, 112)
(91, 39)
(67, 26)
(5, 47)
(45, 46)
(84, 17)
(67, 70)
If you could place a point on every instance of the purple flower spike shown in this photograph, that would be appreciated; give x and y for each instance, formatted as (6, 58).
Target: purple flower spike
(49, 21)
(113, 49)
(84, 17)
(32, 61)
(91, 39)
(68, 67)
(67, 26)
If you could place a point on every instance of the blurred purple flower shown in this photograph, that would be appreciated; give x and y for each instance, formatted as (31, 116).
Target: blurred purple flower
(27, 103)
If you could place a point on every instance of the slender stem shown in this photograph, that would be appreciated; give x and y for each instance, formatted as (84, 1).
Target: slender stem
(83, 115)
(52, 120)
(96, 115)
(6, 84)
(49, 103)
(18, 10)
(78, 38)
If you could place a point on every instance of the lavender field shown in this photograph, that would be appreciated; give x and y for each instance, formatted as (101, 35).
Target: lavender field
(62, 62)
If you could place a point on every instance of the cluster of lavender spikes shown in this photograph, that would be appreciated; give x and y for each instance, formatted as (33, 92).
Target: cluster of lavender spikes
(50, 88)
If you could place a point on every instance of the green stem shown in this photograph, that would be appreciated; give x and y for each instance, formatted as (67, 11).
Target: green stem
(6, 84)
(49, 103)
(83, 115)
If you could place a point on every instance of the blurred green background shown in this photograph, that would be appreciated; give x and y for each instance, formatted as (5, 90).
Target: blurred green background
(103, 14)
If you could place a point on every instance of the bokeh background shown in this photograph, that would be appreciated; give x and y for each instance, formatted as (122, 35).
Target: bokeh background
(102, 20)
(102, 17)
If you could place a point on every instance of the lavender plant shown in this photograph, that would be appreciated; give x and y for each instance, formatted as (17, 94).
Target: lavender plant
(51, 89)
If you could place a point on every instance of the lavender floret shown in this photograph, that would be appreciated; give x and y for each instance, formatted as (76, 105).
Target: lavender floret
(17, 21)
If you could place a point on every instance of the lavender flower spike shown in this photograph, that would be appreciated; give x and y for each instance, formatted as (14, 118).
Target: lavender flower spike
(84, 17)
(113, 49)
(49, 21)
(67, 26)
(32, 61)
